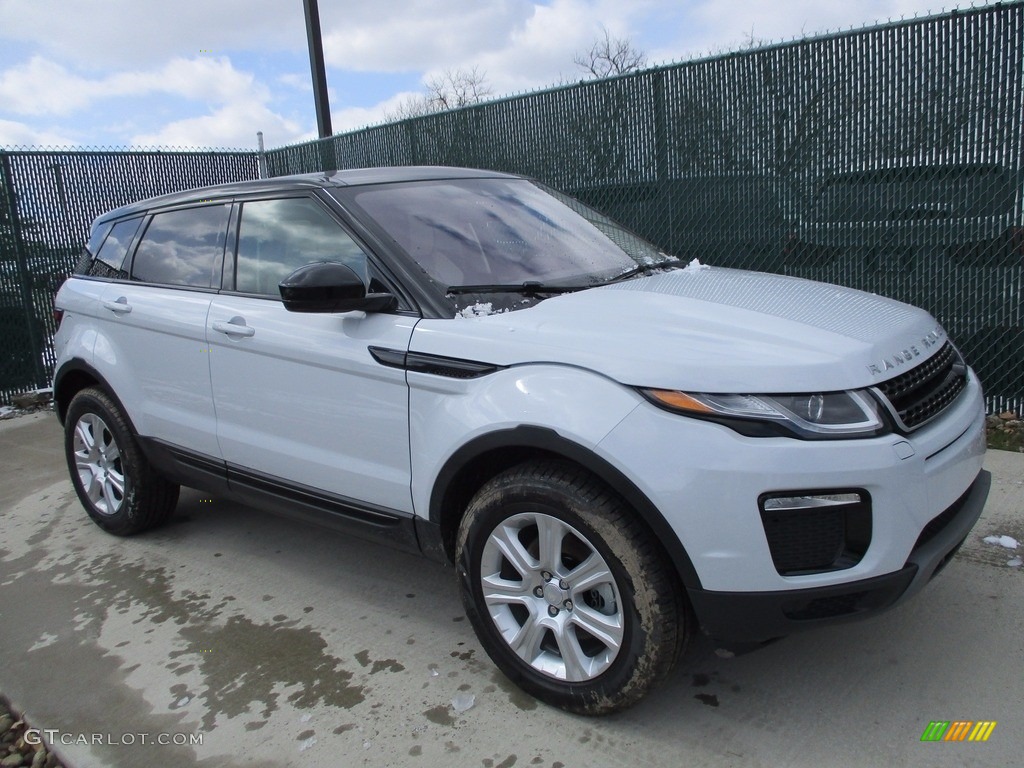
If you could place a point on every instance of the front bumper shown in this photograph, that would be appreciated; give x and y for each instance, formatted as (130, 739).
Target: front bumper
(926, 490)
(756, 617)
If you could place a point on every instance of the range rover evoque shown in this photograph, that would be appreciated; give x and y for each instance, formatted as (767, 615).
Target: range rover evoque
(614, 448)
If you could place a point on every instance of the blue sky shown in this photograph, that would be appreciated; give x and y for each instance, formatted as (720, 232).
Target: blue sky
(210, 73)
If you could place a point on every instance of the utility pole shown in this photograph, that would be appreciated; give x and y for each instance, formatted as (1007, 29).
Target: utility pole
(316, 66)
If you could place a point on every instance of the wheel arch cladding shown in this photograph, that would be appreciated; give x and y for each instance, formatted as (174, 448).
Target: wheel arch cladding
(70, 379)
(479, 460)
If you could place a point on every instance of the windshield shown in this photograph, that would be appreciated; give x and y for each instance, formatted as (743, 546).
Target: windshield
(502, 232)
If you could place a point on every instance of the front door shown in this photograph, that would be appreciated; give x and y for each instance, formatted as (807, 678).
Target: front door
(301, 403)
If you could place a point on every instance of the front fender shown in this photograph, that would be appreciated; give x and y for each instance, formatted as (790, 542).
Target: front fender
(514, 413)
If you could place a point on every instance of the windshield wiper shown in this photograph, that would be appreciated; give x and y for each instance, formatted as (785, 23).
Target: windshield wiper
(535, 287)
(527, 288)
(644, 269)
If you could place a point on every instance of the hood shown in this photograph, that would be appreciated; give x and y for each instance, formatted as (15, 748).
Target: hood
(704, 330)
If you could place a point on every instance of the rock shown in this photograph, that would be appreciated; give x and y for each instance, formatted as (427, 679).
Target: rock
(1008, 416)
(12, 761)
(39, 759)
(51, 761)
(993, 421)
(5, 724)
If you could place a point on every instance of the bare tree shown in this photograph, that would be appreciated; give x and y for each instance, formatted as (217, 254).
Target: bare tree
(452, 89)
(610, 56)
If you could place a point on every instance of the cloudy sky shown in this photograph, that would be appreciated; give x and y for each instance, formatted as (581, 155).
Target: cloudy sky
(210, 73)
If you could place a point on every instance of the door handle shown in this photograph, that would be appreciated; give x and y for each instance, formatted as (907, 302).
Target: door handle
(119, 307)
(235, 327)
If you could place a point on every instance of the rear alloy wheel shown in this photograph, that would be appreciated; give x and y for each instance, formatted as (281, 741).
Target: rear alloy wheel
(113, 480)
(567, 590)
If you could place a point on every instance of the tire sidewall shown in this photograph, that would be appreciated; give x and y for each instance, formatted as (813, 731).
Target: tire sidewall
(610, 690)
(94, 402)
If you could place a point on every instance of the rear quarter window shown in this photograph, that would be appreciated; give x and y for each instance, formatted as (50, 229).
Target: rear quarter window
(183, 247)
(109, 261)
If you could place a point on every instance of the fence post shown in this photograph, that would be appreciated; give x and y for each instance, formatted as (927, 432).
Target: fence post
(24, 276)
(262, 157)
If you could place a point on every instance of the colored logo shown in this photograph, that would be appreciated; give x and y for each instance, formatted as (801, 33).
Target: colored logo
(958, 730)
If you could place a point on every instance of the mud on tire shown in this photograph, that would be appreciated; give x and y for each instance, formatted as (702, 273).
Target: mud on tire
(567, 590)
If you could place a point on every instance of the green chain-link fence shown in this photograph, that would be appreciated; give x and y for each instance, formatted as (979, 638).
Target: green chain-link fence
(887, 159)
(47, 202)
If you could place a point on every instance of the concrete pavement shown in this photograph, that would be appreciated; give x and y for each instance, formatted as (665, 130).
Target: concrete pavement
(276, 644)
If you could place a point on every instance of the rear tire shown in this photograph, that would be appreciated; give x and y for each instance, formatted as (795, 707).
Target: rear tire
(567, 590)
(121, 492)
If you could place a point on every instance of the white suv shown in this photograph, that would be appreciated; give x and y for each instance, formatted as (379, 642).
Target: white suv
(613, 448)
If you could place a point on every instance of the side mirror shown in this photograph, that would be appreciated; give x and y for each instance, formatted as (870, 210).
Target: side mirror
(328, 286)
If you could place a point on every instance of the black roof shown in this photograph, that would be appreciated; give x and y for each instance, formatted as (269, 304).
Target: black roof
(354, 177)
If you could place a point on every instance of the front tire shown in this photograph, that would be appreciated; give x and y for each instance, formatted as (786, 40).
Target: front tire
(121, 492)
(567, 590)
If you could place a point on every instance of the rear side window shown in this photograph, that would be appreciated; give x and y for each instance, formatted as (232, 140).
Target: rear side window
(183, 247)
(110, 260)
(276, 237)
(85, 258)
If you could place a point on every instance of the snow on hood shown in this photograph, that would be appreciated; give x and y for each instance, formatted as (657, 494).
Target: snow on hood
(704, 330)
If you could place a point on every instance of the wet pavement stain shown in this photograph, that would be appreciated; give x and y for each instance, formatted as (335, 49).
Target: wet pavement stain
(124, 586)
(707, 698)
(264, 657)
(363, 657)
(439, 715)
(516, 695)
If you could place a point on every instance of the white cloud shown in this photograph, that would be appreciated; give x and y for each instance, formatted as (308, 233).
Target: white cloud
(118, 33)
(354, 118)
(230, 103)
(420, 34)
(231, 126)
(43, 87)
(14, 134)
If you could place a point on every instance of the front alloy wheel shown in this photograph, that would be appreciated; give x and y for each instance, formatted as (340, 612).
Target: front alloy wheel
(552, 597)
(567, 589)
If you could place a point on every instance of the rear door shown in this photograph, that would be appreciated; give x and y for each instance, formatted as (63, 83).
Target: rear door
(152, 340)
(302, 407)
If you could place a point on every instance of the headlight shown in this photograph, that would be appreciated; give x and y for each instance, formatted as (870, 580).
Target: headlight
(815, 415)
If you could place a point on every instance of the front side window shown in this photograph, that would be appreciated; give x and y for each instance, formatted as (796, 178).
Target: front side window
(276, 237)
(184, 247)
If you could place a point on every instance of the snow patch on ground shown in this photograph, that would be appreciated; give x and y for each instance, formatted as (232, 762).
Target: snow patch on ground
(1003, 541)
(695, 266)
(463, 702)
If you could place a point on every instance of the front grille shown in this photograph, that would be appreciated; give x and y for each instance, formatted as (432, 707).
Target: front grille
(921, 394)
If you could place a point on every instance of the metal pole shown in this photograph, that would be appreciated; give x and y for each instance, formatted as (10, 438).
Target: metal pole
(262, 155)
(316, 66)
